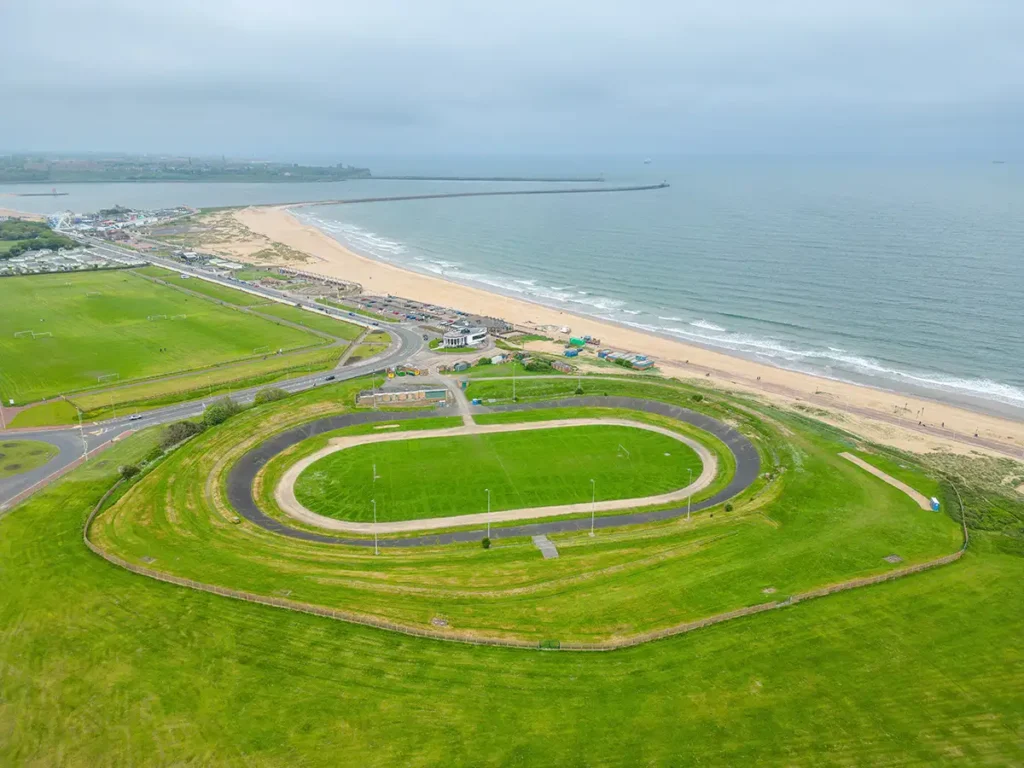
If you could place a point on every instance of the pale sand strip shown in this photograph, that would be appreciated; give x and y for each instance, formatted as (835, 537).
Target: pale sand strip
(674, 358)
(920, 499)
(284, 494)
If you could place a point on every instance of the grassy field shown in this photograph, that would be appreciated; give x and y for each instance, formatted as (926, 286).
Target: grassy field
(17, 456)
(441, 476)
(373, 344)
(99, 325)
(46, 414)
(814, 519)
(927, 670)
(197, 285)
(322, 323)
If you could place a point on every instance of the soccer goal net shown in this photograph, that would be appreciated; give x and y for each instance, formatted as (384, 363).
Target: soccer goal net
(156, 317)
(623, 451)
(178, 317)
(22, 334)
(260, 350)
(108, 377)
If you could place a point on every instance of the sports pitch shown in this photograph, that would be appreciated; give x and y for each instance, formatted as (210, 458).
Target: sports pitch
(99, 330)
(443, 476)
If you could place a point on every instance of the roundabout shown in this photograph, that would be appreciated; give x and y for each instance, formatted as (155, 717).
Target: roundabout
(241, 479)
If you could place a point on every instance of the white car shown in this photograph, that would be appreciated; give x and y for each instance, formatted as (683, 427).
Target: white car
(135, 417)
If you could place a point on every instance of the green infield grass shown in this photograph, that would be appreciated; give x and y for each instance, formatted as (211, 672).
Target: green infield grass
(442, 476)
(17, 456)
(318, 322)
(111, 327)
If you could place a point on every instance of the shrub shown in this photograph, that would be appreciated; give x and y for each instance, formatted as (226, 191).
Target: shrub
(483, 361)
(220, 411)
(178, 431)
(697, 398)
(728, 507)
(154, 454)
(269, 395)
(579, 390)
(128, 471)
(485, 543)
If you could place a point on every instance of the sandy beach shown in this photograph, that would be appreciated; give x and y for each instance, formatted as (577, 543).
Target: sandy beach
(887, 417)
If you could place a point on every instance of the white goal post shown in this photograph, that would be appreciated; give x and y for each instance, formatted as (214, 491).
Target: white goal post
(156, 317)
(260, 350)
(108, 377)
(178, 317)
(623, 449)
(41, 333)
(20, 334)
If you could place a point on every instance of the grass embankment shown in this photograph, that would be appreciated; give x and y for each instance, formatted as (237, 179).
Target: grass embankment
(922, 671)
(374, 344)
(442, 476)
(212, 290)
(100, 326)
(820, 520)
(17, 456)
(323, 323)
(358, 310)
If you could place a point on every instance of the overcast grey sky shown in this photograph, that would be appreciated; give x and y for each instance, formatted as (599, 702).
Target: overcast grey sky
(254, 77)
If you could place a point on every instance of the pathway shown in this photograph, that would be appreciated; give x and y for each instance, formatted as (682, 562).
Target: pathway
(920, 499)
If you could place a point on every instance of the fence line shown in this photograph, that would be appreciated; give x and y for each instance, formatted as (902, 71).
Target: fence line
(609, 645)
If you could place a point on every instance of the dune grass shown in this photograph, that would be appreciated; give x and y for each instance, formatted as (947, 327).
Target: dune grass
(442, 476)
(100, 325)
(99, 666)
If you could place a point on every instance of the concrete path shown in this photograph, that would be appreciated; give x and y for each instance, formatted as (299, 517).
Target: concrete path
(920, 499)
(284, 494)
(546, 547)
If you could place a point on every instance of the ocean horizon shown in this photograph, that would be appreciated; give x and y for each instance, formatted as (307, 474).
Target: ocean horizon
(903, 276)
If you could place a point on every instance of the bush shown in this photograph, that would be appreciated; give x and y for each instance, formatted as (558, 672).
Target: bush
(220, 411)
(483, 361)
(128, 471)
(153, 455)
(728, 507)
(579, 390)
(178, 431)
(697, 398)
(485, 543)
(269, 395)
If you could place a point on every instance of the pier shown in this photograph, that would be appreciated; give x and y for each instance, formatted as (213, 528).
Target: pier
(497, 193)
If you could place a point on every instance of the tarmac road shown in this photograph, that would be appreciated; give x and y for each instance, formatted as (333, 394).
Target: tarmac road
(406, 343)
(240, 480)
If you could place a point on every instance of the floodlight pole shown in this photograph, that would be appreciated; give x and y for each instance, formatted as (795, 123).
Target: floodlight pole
(593, 504)
(690, 494)
(113, 407)
(376, 550)
(3, 421)
(488, 512)
(81, 433)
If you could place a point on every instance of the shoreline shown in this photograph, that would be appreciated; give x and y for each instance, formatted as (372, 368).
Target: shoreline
(877, 413)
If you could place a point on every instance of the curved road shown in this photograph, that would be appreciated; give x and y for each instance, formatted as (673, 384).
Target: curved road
(69, 440)
(243, 474)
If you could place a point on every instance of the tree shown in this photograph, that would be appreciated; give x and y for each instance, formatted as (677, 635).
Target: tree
(178, 431)
(128, 471)
(269, 395)
(220, 411)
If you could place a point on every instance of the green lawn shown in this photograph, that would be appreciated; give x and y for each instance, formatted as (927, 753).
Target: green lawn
(818, 521)
(99, 666)
(198, 285)
(99, 325)
(441, 476)
(373, 344)
(322, 323)
(17, 456)
(47, 414)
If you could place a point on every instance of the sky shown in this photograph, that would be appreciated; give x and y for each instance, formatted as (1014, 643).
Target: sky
(255, 78)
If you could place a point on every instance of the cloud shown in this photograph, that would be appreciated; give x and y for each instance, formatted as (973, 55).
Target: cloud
(560, 75)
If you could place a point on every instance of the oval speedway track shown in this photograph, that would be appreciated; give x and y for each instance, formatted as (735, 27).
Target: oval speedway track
(243, 473)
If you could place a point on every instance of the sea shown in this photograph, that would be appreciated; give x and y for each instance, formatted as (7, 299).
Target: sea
(903, 275)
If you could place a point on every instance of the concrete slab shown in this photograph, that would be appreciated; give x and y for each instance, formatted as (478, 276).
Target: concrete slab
(546, 547)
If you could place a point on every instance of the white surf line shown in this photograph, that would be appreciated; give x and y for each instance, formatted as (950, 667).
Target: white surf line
(919, 498)
(284, 493)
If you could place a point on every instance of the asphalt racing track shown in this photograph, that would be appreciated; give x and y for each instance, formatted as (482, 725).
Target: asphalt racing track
(243, 474)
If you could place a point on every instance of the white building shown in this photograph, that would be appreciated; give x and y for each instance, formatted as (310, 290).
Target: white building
(464, 337)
